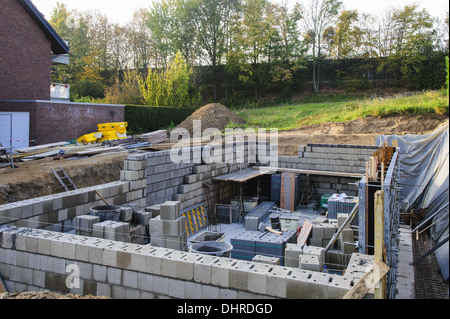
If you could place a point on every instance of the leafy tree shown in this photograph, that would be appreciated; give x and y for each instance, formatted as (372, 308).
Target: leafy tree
(411, 44)
(319, 15)
(168, 87)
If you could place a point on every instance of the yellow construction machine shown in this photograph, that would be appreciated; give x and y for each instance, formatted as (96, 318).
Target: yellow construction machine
(106, 132)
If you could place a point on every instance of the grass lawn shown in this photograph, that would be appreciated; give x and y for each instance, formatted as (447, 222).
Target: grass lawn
(294, 116)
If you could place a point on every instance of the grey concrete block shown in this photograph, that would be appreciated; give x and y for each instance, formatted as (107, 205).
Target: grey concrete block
(126, 214)
(238, 275)
(220, 271)
(155, 210)
(202, 269)
(156, 227)
(170, 210)
(309, 262)
(174, 227)
(276, 281)
(297, 284)
(130, 279)
(114, 276)
(143, 217)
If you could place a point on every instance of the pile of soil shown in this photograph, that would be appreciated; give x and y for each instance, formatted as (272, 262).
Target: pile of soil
(45, 295)
(212, 116)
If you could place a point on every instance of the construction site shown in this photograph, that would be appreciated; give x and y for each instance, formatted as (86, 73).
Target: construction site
(227, 220)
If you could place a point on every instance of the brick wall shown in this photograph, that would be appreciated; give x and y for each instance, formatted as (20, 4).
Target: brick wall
(25, 55)
(52, 122)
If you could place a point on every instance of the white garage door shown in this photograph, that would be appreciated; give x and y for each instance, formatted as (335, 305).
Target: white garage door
(15, 127)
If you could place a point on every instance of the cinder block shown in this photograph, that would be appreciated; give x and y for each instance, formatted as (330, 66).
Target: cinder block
(170, 210)
(177, 242)
(142, 217)
(85, 223)
(158, 240)
(220, 271)
(315, 251)
(238, 275)
(297, 284)
(156, 227)
(276, 281)
(317, 232)
(155, 210)
(202, 269)
(267, 260)
(338, 287)
(191, 179)
(291, 255)
(174, 227)
(341, 218)
(130, 279)
(318, 285)
(309, 262)
(170, 263)
(257, 278)
(126, 214)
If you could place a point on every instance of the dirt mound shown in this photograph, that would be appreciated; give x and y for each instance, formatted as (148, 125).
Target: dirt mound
(45, 295)
(212, 116)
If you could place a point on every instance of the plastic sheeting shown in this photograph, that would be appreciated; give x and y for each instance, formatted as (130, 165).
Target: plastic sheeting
(424, 171)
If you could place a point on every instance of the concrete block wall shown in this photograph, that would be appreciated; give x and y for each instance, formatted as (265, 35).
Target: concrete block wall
(334, 158)
(185, 182)
(56, 212)
(34, 260)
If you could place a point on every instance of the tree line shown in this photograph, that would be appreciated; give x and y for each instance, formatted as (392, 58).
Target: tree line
(253, 44)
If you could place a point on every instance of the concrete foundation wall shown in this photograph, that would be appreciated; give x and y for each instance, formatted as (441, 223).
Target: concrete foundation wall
(56, 212)
(33, 260)
(333, 158)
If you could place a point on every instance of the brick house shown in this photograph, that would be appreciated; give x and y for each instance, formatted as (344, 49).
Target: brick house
(29, 115)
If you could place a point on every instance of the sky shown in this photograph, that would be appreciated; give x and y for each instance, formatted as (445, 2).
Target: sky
(122, 11)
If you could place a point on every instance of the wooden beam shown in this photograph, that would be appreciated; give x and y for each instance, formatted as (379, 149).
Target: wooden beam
(2, 286)
(380, 290)
(304, 233)
(368, 281)
(306, 172)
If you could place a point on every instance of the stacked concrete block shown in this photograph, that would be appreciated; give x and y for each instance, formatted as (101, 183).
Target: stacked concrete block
(135, 173)
(111, 230)
(84, 225)
(266, 260)
(244, 247)
(322, 233)
(340, 158)
(56, 212)
(168, 230)
(317, 252)
(126, 214)
(292, 254)
(38, 260)
(309, 262)
(273, 245)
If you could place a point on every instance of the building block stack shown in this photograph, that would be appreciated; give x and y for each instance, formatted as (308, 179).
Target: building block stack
(168, 230)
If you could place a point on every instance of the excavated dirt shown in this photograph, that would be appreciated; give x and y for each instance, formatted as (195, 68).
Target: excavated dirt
(41, 295)
(358, 132)
(212, 116)
(35, 179)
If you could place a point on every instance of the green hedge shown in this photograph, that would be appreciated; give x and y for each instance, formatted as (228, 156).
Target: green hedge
(145, 119)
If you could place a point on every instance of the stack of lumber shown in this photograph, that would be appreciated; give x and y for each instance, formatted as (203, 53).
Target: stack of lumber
(155, 137)
(63, 150)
